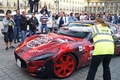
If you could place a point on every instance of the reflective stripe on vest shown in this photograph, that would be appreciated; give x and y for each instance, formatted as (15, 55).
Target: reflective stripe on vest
(103, 40)
(98, 33)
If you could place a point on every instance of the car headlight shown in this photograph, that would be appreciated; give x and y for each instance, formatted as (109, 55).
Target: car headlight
(42, 57)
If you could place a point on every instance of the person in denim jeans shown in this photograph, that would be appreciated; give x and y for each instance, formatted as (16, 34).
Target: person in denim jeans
(33, 23)
(17, 26)
(23, 25)
(43, 20)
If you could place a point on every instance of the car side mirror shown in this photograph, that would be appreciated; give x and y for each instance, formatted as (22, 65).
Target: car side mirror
(117, 36)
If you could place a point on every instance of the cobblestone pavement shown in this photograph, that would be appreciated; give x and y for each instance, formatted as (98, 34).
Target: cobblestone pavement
(10, 71)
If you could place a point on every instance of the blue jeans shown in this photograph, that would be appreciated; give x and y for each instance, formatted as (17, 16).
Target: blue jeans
(44, 26)
(16, 33)
(23, 34)
(32, 32)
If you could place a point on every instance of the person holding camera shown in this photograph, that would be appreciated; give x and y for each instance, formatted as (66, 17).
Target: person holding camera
(8, 24)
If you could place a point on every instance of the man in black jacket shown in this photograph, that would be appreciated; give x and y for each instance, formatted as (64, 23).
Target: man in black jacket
(33, 24)
(23, 25)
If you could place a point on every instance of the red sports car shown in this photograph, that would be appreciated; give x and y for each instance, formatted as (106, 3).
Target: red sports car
(58, 54)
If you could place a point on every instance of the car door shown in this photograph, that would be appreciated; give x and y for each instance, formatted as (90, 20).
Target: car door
(116, 36)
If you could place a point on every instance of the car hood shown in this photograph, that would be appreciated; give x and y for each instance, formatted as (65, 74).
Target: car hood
(41, 44)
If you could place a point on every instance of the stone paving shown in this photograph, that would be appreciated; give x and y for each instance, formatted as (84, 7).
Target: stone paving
(10, 71)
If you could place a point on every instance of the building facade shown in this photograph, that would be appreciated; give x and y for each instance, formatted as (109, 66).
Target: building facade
(108, 6)
(76, 6)
(53, 5)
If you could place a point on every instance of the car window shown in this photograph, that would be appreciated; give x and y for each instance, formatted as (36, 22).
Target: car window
(73, 33)
(74, 24)
(78, 25)
(113, 28)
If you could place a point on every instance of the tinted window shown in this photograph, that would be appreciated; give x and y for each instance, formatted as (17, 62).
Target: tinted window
(74, 24)
(80, 24)
(73, 33)
(113, 28)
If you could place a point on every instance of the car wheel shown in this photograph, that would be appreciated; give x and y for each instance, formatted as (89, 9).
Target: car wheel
(64, 66)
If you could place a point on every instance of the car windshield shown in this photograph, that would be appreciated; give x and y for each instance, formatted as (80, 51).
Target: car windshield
(73, 33)
(79, 24)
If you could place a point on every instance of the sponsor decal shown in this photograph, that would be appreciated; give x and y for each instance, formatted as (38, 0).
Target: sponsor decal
(39, 41)
(80, 48)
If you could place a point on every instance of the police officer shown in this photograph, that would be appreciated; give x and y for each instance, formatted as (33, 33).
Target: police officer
(103, 48)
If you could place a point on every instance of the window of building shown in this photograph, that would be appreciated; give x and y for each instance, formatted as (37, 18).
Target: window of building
(111, 4)
(85, 8)
(102, 9)
(94, 9)
(21, 4)
(90, 9)
(98, 8)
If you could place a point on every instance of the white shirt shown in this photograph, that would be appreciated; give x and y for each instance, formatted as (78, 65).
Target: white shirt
(65, 19)
(82, 17)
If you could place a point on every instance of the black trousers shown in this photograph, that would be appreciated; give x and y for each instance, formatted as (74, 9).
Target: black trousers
(31, 7)
(8, 36)
(36, 7)
(96, 60)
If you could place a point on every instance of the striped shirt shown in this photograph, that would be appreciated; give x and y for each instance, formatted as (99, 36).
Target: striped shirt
(43, 19)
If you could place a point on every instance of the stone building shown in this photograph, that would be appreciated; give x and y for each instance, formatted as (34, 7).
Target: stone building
(76, 6)
(108, 6)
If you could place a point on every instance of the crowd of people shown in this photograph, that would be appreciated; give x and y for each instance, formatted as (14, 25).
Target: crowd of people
(19, 23)
(15, 26)
(112, 18)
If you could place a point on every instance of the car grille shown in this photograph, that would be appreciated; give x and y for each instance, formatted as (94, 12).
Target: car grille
(23, 63)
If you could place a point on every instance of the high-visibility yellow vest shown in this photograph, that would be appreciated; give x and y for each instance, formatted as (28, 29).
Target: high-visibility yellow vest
(103, 41)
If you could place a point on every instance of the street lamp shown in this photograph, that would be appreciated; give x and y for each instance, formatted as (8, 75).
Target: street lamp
(18, 5)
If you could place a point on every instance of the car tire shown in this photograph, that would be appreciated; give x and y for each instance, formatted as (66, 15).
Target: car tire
(64, 66)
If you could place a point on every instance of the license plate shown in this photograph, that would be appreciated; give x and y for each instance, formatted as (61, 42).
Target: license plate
(18, 62)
